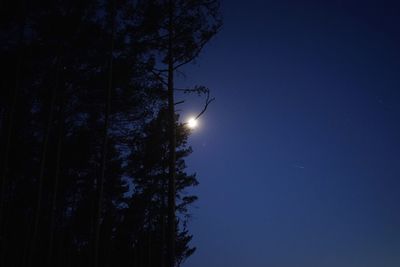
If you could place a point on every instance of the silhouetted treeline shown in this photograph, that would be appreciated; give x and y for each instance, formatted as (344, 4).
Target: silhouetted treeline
(84, 132)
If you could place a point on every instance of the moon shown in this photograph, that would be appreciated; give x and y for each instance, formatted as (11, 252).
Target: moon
(192, 123)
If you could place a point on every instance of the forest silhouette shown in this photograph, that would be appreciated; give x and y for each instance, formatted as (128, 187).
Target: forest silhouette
(92, 151)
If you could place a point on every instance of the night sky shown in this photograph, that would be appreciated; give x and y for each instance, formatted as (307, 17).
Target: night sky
(299, 156)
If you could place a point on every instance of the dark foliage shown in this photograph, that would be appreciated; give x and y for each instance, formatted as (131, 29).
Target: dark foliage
(84, 128)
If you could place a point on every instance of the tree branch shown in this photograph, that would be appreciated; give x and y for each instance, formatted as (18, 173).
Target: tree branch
(195, 55)
(208, 102)
(159, 77)
(180, 102)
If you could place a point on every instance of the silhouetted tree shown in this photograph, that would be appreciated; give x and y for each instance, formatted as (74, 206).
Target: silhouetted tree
(148, 166)
(188, 26)
(88, 130)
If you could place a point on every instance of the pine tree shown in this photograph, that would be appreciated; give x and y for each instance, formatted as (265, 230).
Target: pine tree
(148, 166)
(188, 26)
(87, 164)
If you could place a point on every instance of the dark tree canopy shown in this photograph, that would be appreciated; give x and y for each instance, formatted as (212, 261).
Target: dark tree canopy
(84, 144)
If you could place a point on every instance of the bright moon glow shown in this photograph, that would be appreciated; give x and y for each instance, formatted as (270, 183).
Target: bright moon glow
(192, 123)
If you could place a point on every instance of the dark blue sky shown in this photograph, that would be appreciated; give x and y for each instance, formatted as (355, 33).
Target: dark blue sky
(299, 157)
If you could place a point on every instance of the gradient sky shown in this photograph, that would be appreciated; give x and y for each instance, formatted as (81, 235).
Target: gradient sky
(299, 157)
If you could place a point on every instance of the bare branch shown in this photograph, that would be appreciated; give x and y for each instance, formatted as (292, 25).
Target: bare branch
(208, 102)
(180, 102)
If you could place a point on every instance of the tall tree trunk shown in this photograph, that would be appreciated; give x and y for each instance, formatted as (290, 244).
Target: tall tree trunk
(162, 215)
(45, 142)
(10, 113)
(100, 184)
(7, 146)
(135, 255)
(149, 252)
(56, 179)
(172, 142)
